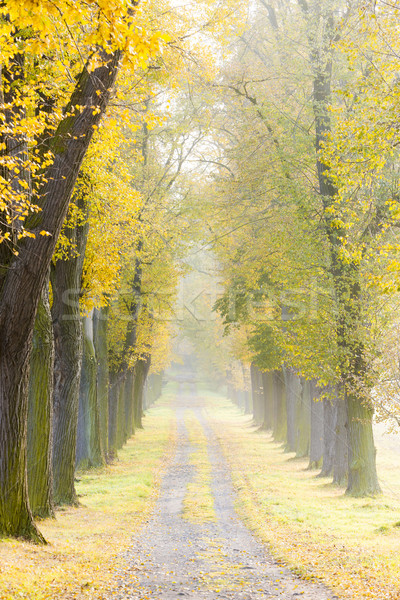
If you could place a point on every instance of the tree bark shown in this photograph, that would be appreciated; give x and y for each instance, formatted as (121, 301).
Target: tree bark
(346, 283)
(258, 400)
(362, 477)
(330, 423)
(341, 463)
(129, 401)
(40, 412)
(303, 421)
(317, 428)
(21, 284)
(115, 382)
(121, 417)
(89, 452)
(293, 397)
(267, 384)
(100, 322)
(67, 324)
(142, 368)
(280, 421)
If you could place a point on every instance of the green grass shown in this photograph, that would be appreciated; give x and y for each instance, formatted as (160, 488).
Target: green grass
(82, 560)
(350, 543)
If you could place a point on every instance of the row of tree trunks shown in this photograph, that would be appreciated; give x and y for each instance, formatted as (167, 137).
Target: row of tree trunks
(355, 411)
(312, 422)
(22, 280)
(66, 278)
(84, 421)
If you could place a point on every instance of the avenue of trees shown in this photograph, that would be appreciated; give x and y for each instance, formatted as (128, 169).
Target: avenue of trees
(303, 205)
(301, 209)
(92, 224)
(134, 134)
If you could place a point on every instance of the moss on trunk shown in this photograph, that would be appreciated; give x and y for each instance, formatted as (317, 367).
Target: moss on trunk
(40, 413)
(100, 322)
(362, 476)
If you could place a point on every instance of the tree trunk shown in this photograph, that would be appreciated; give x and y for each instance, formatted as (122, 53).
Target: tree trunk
(258, 399)
(100, 322)
(121, 417)
(303, 421)
(129, 402)
(341, 464)
(142, 368)
(89, 451)
(293, 398)
(253, 379)
(66, 280)
(17, 317)
(21, 284)
(317, 428)
(346, 282)
(67, 372)
(362, 477)
(113, 416)
(40, 412)
(268, 396)
(330, 423)
(280, 421)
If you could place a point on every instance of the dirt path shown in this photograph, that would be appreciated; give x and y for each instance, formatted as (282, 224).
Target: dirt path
(173, 558)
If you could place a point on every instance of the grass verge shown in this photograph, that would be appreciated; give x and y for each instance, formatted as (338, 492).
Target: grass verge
(82, 560)
(351, 544)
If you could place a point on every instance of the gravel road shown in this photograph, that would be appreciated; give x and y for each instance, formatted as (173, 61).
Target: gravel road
(173, 559)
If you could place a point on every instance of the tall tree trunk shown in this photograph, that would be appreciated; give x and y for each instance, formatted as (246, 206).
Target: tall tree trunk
(129, 402)
(100, 322)
(67, 372)
(121, 417)
(21, 284)
(303, 421)
(293, 398)
(89, 451)
(330, 423)
(362, 477)
(40, 412)
(257, 393)
(341, 463)
(66, 281)
(17, 317)
(267, 388)
(346, 283)
(253, 378)
(142, 368)
(317, 428)
(113, 397)
(280, 421)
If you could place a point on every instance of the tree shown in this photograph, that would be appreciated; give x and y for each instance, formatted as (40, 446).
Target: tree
(26, 260)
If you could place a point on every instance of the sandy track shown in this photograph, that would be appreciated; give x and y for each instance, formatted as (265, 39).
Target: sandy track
(173, 558)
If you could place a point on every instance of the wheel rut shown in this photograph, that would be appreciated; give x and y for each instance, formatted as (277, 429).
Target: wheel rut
(174, 558)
